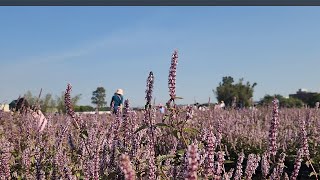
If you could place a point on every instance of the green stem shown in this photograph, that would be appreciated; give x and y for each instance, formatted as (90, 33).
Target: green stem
(315, 172)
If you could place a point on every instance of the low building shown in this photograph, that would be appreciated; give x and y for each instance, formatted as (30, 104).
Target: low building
(4, 107)
(304, 95)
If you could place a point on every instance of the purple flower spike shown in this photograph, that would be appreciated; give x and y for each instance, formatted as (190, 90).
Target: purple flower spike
(274, 128)
(149, 89)
(67, 101)
(172, 75)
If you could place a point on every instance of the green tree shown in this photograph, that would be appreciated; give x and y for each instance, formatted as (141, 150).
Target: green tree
(46, 102)
(83, 108)
(30, 98)
(98, 97)
(227, 90)
(313, 99)
(283, 102)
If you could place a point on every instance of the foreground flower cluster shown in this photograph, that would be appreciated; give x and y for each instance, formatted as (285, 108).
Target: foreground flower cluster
(184, 143)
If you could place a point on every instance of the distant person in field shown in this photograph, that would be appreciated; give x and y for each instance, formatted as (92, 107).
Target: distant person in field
(22, 106)
(117, 101)
(161, 108)
(222, 105)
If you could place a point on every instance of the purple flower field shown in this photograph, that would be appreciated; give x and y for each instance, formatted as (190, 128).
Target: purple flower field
(183, 143)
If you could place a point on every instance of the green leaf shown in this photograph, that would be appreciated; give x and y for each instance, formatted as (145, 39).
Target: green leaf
(229, 162)
(163, 125)
(191, 130)
(175, 133)
(164, 157)
(141, 128)
(181, 151)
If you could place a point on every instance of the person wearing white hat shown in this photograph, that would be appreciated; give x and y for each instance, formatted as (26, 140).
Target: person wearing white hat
(117, 100)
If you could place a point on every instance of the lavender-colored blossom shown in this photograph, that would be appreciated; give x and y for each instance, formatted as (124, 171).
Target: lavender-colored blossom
(126, 167)
(286, 177)
(281, 164)
(219, 132)
(273, 131)
(96, 163)
(252, 164)
(228, 175)
(172, 75)
(150, 82)
(5, 156)
(192, 157)
(304, 138)
(220, 162)
(297, 165)
(151, 162)
(26, 162)
(126, 124)
(238, 173)
(210, 148)
(69, 108)
(265, 166)
(38, 159)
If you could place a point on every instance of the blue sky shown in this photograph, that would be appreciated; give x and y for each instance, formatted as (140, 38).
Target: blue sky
(116, 47)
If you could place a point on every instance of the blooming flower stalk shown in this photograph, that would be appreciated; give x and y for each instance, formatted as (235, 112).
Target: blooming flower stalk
(297, 165)
(210, 148)
(68, 104)
(5, 156)
(172, 75)
(150, 82)
(273, 131)
(126, 167)
(151, 162)
(265, 166)
(238, 173)
(252, 164)
(220, 162)
(304, 139)
(193, 157)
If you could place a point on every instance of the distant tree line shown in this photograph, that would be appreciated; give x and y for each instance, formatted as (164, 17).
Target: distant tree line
(239, 94)
(283, 101)
(49, 103)
(234, 94)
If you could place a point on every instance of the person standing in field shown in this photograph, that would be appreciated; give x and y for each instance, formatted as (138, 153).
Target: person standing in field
(117, 101)
(222, 105)
(161, 108)
(23, 106)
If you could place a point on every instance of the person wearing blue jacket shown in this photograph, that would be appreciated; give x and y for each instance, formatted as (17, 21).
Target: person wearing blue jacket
(117, 101)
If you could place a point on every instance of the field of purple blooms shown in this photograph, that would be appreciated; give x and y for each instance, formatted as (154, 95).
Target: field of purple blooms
(183, 143)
